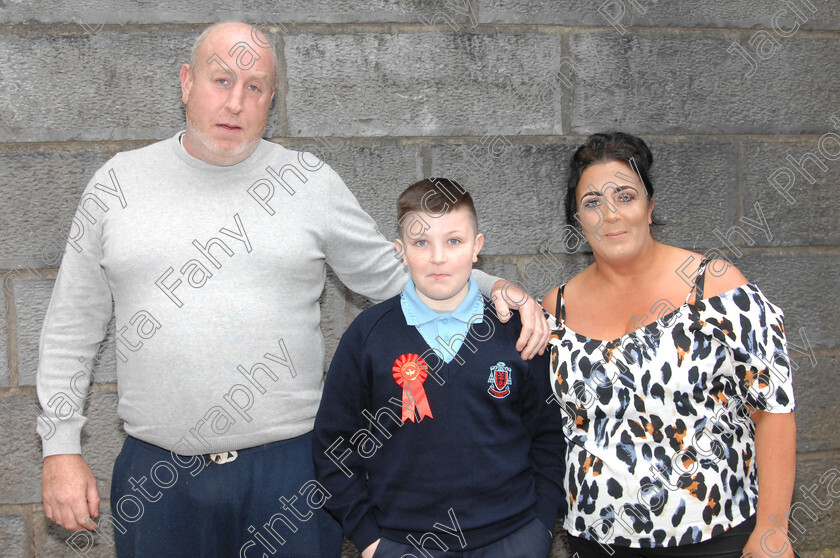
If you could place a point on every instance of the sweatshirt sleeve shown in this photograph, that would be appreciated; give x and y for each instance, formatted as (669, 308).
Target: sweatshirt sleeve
(363, 259)
(548, 445)
(337, 465)
(75, 324)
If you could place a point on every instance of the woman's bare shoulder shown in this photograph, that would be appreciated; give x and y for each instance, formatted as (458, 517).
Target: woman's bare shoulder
(722, 276)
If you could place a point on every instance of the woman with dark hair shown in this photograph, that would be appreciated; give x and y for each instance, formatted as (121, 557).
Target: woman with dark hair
(673, 377)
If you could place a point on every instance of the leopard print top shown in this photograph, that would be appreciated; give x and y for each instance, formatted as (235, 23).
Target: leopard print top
(661, 447)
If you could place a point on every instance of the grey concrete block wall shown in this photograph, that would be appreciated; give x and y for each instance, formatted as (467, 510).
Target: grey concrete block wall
(20, 474)
(94, 13)
(5, 306)
(42, 188)
(12, 536)
(658, 13)
(33, 296)
(737, 99)
(689, 82)
(793, 184)
(85, 75)
(336, 83)
(816, 405)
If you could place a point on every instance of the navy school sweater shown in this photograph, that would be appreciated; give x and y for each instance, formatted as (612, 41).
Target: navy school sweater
(489, 460)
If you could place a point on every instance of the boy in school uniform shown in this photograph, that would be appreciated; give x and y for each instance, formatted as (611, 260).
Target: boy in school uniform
(434, 438)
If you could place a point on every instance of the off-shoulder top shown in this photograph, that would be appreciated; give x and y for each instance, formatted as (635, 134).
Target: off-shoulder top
(661, 448)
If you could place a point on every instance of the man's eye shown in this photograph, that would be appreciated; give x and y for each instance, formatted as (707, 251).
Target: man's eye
(420, 243)
(454, 241)
(254, 87)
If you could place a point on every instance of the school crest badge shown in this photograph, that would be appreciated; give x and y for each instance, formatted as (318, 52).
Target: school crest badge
(499, 381)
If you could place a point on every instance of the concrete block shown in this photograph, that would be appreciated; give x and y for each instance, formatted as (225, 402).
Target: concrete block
(376, 174)
(102, 438)
(354, 306)
(90, 544)
(518, 189)
(4, 310)
(13, 536)
(540, 12)
(20, 475)
(676, 84)
(504, 267)
(82, 87)
(92, 14)
(543, 272)
(797, 212)
(559, 547)
(32, 296)
(815, 493)
(348, 550)
(429, 83)
(804, 286)
(765, 14)
(621, 14)
(694, 190)
(39, 191)
(818, 424)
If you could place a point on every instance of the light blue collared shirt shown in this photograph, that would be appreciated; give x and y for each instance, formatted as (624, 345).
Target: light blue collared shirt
(438, 329)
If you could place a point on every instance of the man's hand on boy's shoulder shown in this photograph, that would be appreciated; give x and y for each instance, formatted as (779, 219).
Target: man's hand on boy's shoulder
(533, 338)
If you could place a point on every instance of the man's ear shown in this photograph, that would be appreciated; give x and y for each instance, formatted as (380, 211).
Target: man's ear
(479, 244)
(187, 79)
(399, 246)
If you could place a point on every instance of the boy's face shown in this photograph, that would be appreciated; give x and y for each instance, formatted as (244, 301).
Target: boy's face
(440, 259)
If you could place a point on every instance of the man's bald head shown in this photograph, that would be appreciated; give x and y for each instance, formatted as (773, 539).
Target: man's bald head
(260, 41)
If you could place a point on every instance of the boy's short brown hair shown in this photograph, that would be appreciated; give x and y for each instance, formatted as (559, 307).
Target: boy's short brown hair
(433, 197)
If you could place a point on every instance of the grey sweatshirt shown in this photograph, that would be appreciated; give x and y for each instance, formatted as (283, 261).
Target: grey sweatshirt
(215, 275)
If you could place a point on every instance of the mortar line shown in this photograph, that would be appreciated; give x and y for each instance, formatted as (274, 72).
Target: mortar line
(11, 331)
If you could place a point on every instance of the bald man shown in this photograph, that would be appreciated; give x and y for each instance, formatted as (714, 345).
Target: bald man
(211, 246)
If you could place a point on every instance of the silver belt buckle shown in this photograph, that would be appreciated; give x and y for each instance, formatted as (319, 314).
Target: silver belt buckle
(223, 457)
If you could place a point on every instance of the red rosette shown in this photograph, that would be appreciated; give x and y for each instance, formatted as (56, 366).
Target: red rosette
(410, 371)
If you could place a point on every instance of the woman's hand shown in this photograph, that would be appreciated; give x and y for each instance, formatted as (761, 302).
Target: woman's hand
(768, 541)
